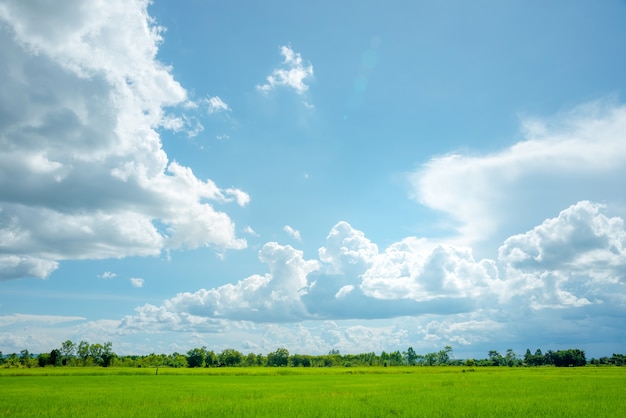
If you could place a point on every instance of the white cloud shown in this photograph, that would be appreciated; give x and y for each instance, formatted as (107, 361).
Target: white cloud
(274, 296)
(569, 267)
(37, 333)
(182, 123)
(83, 173)
(15, 319)
(347, 250)
(293, 73)
(293, 233)
(345, 290)
(12, 266)
(581, 154)
(575, 259)
(248, 230)
(444, 272)
(107, 275)
(136, 282)
(215, 105)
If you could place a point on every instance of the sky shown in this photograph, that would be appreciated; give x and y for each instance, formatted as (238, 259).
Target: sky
(356, 176)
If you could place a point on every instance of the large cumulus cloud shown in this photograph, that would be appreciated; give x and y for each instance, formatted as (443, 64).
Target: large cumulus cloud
(572, 263)
(575, 259)
(82, 170)
(357, 298)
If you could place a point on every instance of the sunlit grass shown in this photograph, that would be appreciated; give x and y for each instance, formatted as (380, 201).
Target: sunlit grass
(340, 392)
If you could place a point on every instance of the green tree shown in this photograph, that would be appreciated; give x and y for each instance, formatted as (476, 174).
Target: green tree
(279, 358)
(176, 360)
(68, 350)
(250, 360)
(300, 360)
(567, 358)
(395, 358)
(470, 362)
(616, 359)
(384, 358)
(83, 351)
(211, 359)
(55, 357)
(495, 358)
(431, 359)
(528, 357)
(443, 356)
(12, 360)
(96, 352)
(230, 357)
(43, 359)
(196, 357)
(510, 358)
(107, 356)
(410, 356)
(26, 359)
(538, 358)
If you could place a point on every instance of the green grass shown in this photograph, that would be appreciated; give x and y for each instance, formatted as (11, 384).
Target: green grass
(299, 392)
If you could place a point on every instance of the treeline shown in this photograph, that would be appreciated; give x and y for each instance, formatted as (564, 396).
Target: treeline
(69, 354)
(84, 354)
(560, 358)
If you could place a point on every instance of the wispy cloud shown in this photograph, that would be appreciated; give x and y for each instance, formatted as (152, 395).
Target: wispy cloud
(9, 320)
(107, 275)
(248, 230)
(292, 74)
(215, 105)
(293, 233)
(136, 282)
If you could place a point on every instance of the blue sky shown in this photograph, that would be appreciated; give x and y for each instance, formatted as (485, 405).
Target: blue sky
(360, 176)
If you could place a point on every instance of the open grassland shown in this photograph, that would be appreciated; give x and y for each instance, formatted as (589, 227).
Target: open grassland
(300, 392)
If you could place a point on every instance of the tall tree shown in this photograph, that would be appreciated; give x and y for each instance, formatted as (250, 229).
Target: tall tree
(443, 356)
(83, 351)
(495, 358)
(96, 352)
(196, 357)
(395, 358)
(410, 356)
(528, 356)
(107, 354)
(55, 357)
(431, 359)
(68, 350)
(510, 358)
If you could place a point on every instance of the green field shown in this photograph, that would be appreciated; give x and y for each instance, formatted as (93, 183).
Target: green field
(305, 392)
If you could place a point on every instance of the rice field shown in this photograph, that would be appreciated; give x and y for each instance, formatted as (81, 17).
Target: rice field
(314, 392)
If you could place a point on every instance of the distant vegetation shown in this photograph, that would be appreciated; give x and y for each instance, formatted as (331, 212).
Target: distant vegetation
(89, 355)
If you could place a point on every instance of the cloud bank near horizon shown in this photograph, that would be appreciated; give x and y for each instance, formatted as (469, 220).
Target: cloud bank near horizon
(574, 261)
